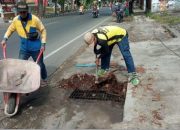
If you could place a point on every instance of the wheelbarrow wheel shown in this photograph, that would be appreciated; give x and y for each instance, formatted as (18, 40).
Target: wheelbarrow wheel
(11, 103)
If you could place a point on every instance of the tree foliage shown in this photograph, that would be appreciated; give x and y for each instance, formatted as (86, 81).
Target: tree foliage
(89, 1)
(77, 2)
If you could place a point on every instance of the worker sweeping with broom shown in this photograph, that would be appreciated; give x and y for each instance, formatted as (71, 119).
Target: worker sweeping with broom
(104, 38)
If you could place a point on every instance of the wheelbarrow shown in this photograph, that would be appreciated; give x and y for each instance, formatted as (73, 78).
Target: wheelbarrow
(17, 77)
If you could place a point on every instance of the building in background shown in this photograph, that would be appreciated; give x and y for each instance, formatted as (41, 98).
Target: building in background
(7, 9)
(159, 5)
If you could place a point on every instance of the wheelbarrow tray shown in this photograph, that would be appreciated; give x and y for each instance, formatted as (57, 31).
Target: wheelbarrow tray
(13, 70)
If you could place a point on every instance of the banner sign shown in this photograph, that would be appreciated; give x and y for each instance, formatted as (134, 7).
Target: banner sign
(7, 1)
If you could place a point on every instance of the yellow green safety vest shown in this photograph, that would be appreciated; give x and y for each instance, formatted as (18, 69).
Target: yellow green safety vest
(112, 34)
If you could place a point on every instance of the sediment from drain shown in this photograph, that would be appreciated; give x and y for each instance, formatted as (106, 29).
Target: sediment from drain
(86, 81)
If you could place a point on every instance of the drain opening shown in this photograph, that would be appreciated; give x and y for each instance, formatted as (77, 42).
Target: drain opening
(95, 95)
(108, 88)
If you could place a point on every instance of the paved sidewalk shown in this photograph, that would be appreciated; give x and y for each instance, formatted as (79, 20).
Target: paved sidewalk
(155, 103)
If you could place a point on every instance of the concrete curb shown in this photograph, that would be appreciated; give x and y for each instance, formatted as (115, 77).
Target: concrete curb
(129, 104)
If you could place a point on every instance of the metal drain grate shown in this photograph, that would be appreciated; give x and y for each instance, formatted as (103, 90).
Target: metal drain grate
(95, 95)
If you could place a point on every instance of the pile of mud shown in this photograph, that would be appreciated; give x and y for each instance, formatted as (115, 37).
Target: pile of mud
(109, 84)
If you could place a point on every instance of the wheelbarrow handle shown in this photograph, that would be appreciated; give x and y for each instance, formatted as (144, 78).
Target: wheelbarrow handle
(39, 56)
(4, 51)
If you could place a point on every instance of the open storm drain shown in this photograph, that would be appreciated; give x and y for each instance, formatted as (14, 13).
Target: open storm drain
(95, 95)
(108, 88)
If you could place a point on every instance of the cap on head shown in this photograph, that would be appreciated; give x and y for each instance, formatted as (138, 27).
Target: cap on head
(22, 6)
(88, 38)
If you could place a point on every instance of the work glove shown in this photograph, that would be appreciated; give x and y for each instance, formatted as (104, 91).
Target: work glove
(43, 46)
(134, 78)
(3, 42)
(102, 72)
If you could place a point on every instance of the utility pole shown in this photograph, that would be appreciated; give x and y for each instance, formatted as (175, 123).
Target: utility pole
(55, 7)
(40, 8)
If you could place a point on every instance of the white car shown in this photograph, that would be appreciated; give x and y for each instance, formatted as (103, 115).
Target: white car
(173, 5)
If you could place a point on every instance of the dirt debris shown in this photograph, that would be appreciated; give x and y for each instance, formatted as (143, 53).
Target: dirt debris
(140, 69)
(156, 115)
(157, 118)
(142, 118)
(87, 82)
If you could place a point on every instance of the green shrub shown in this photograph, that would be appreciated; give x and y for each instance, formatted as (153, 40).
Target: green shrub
(164, 18)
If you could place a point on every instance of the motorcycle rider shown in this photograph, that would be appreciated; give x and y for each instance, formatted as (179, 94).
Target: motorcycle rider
(95, 8)
(81, 9)
(119, 10)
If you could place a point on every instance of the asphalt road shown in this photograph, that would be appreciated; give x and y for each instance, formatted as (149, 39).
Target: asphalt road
(64, 36)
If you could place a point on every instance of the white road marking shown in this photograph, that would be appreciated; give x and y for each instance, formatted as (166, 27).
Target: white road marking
(61, 47)
(50, 23)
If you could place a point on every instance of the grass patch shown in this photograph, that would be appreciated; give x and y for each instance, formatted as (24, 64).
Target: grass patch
(164, 18)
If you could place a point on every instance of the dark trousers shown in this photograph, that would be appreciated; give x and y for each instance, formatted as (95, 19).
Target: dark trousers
(125, 51)
(25, 55)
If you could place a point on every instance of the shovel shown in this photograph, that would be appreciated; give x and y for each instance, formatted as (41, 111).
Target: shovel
(96, 78)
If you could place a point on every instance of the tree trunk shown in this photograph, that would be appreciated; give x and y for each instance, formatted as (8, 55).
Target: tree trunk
(40, 8)
(131, 7)
(72, 5)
